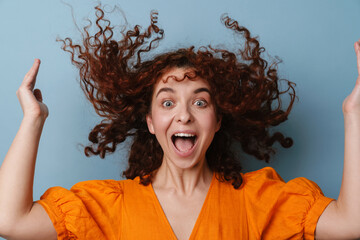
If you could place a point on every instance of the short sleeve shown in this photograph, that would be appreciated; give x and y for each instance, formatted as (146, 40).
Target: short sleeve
(282, 210)
(86, 211)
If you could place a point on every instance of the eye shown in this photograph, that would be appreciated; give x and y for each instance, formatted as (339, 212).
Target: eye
(200, 103)
(167, 103)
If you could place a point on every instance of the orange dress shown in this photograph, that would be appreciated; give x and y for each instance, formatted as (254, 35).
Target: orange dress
(264, 207)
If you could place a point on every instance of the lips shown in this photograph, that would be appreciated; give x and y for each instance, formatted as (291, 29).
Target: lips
(184, 142)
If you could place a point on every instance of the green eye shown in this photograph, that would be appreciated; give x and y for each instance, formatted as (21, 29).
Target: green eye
(200, 103)
(167, 103)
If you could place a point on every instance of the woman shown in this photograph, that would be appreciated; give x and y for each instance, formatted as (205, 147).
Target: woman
(183, 109)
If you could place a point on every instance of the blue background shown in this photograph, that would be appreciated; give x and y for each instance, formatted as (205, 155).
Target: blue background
(313, 38)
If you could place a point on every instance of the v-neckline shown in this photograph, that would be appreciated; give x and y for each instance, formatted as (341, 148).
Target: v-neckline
(198, 219)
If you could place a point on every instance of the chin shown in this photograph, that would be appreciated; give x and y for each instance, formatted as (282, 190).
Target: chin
(186, 163)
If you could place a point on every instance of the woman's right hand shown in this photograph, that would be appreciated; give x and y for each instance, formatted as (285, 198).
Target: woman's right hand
(31, 99)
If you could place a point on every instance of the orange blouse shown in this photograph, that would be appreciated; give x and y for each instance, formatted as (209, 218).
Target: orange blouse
(264, 207)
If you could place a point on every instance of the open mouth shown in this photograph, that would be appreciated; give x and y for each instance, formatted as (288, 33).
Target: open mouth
(184, 142)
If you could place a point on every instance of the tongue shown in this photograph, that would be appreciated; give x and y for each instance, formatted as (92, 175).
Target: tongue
(183, 144)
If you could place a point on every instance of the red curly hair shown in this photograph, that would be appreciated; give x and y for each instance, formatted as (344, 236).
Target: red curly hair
(119, 84)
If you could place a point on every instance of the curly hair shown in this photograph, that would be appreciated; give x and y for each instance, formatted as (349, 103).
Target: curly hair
(119, 83)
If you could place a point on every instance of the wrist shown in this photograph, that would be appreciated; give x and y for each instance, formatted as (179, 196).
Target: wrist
(34, 120)
(352, 119)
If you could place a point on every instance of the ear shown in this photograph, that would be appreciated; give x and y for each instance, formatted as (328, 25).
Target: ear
(218, 126)
(149, 123)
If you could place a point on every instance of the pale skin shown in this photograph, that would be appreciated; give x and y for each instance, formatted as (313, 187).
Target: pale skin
(178, 184)
(181, 183)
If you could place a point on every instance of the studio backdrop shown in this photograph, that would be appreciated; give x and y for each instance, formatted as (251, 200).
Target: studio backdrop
(313, 39)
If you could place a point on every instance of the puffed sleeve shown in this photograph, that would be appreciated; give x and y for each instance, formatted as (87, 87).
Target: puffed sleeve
(280, 210)
(87, 211)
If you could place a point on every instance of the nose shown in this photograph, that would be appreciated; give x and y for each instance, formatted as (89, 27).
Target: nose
(184, 115)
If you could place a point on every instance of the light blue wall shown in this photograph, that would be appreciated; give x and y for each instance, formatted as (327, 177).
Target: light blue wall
(313, 38)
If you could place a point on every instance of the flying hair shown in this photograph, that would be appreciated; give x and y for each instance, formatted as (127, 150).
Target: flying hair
(119, 83)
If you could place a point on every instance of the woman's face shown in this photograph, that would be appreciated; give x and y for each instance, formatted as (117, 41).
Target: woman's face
(183, 118)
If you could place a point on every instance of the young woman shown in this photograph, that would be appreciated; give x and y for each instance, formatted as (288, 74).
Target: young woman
(183, 110)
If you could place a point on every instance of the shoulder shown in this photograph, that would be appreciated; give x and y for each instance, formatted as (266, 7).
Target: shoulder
(271, 202)
(93, 189)
(253, 180)
(85, 198)
(269, 178)
(266, 187)
(108, 186)
(89, 208)
(266, 173)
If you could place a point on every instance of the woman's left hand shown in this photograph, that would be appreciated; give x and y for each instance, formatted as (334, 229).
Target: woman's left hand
(351, 104)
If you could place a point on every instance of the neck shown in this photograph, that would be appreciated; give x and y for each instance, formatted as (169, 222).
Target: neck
(183, 181)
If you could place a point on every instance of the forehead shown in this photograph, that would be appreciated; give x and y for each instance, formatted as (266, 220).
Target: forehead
(180, 78)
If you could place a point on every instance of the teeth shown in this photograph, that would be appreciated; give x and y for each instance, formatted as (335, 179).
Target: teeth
(184, 135)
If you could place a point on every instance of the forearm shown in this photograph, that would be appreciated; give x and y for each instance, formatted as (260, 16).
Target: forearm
(348, 202)
(17, 170)
(341, 218)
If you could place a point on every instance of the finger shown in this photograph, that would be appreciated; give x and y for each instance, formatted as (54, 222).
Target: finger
(30, 78)
(38, 95)
(357, 51)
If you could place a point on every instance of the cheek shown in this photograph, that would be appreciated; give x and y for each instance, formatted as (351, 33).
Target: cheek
(161, 121)
(209, 121)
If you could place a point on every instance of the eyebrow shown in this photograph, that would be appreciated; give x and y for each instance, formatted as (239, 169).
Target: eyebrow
(165, 90)
(199, 90)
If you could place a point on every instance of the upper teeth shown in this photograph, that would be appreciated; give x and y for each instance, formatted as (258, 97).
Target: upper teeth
(184, 135)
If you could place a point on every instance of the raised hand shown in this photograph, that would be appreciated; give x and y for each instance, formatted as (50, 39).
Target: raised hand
(351, 104)
(20, 217)
(31, 99)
